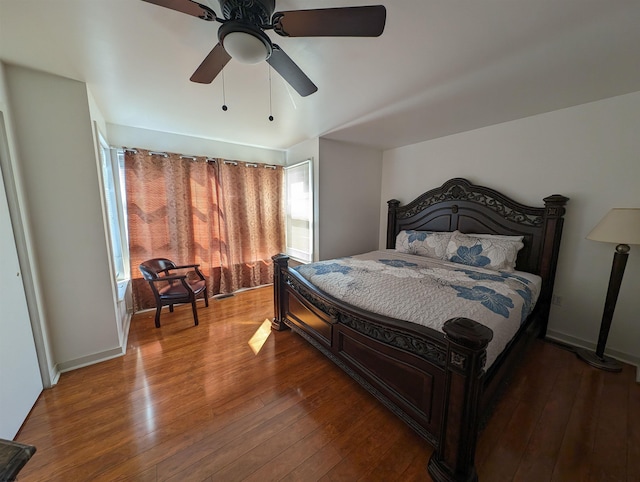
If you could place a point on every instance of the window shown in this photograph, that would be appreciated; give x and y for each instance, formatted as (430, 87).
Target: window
(113, 177)
(299, 202)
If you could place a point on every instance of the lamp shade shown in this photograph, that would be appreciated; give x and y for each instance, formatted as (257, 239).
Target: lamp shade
(620, 226)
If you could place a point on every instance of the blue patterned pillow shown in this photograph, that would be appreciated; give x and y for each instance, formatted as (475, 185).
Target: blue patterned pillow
(498, 253)
(430, 244)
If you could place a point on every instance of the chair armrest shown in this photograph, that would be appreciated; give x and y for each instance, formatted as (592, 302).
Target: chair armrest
(185, 266)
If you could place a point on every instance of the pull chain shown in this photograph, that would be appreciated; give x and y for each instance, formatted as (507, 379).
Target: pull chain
(270, 105)
(224, 95)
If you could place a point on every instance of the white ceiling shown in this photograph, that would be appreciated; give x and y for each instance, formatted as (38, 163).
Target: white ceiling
(440, 67)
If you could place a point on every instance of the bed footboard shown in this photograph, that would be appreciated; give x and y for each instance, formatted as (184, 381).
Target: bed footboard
(430, 380)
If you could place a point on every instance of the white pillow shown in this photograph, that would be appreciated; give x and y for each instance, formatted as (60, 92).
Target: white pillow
(489, 251)
(430, 244)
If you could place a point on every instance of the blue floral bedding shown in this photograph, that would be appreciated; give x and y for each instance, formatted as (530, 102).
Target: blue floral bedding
(428, 291)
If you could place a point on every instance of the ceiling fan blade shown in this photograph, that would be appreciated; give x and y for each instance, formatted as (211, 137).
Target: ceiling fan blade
(367, 21)
(211, 65)
(290, 72)
(188, 7)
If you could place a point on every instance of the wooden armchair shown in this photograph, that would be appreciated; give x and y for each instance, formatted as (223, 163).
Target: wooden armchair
(169, 288)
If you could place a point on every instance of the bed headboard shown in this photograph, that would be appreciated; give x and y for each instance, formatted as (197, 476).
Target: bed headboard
(461, 205)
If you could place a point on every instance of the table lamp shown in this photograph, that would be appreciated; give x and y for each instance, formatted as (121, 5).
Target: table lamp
(622, 227)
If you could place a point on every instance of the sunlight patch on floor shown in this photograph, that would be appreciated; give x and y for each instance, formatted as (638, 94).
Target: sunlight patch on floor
(260, 336)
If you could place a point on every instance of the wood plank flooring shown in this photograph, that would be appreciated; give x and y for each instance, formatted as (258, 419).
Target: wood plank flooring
(229, 400)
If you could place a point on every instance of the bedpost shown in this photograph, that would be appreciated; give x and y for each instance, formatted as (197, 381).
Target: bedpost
(553, 222)
(391, 223)
(453, 460)
(280, 265)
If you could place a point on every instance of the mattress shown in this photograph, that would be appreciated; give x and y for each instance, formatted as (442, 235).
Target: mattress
(430, 291)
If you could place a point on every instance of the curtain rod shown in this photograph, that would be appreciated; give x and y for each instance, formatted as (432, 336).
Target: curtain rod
(193, 158)
(252, 164)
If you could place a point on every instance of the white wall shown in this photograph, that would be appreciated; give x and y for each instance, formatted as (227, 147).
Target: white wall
(125, 136)
(96, 115)
(53, 131)
(349, 180)
(309, 149)
(590, 153)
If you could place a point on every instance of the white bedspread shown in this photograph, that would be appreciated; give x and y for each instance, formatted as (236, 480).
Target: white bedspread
(429, 291)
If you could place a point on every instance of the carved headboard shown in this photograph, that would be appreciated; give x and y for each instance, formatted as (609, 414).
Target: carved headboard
(459, 204)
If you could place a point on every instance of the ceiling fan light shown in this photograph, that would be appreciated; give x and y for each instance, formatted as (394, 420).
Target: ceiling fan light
(246, 48)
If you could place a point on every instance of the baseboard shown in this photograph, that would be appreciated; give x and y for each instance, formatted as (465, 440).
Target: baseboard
(580, 343)
(90, 360)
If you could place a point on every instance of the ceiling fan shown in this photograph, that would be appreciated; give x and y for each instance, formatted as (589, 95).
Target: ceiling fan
(242, 33)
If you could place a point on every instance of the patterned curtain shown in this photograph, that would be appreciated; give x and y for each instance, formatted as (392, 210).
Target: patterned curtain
(227, 217)
(253, 225)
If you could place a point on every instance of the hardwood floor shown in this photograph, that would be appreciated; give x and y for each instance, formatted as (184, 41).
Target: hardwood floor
(230, 400)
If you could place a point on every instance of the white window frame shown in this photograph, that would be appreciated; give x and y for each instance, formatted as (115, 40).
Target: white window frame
(112, 165)
(299, 205)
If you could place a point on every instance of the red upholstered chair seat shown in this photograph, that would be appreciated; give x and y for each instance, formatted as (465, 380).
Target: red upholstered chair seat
(179, 291)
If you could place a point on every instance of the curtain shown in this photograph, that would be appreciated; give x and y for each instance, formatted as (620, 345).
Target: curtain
(253, 228)
(226, 217)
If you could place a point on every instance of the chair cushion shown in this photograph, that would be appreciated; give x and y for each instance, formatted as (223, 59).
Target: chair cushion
(177, 290)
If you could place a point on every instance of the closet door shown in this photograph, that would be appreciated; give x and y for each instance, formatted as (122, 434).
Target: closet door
(20, 381)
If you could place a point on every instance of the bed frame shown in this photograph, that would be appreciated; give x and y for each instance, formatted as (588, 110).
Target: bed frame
(435, 382)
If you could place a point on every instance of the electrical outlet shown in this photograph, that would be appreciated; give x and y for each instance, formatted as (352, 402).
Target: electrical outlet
(556, 300)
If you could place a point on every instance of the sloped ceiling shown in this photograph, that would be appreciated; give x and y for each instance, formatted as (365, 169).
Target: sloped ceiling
(440, 67)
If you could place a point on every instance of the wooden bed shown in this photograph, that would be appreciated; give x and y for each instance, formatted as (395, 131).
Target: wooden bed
(435, 382)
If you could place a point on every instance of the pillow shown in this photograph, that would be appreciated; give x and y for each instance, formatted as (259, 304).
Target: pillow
(430, 244)
(489, 251)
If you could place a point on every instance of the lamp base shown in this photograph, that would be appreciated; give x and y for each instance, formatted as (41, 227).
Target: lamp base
(603, 363)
